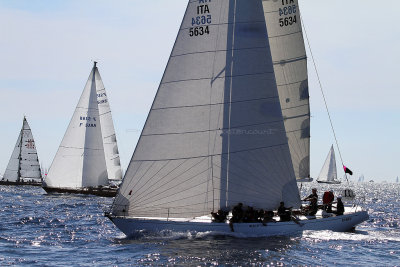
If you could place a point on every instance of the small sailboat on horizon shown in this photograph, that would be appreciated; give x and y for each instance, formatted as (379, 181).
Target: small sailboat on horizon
(87, 161)
(23, 167)
(328, 174)
(216, 137)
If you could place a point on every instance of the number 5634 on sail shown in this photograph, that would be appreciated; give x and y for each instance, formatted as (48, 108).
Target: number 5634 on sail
(287, 21)
(196, 31)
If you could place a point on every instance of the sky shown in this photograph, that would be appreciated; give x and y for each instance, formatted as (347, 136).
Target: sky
(47, 48)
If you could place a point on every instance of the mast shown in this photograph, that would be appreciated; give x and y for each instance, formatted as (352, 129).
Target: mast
(230, 106)
(20, 151)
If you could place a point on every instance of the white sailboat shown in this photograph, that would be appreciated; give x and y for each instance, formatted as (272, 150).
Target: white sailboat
(328, 174)
(88, 154)
(23, 167)
(215, 135)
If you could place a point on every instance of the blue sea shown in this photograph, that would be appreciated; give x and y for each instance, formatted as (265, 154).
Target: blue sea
(70, 230)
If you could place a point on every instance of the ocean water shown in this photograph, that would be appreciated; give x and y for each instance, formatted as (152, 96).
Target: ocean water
(66, 230)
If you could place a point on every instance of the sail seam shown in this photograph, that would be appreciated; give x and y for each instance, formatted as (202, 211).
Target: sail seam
(87, 108)
(289, 60)
(229, 23)
(299, 106)
(213, 130)
(219, 50)
(283, 35)
(216, 104)
(296, 117)
(85, 148)
(104, 113)
(220, 77)
(219, 154)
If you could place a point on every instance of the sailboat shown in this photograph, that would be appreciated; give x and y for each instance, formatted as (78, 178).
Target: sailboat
(217, 133)
(87, 161)
(328, 174)
(23, 167)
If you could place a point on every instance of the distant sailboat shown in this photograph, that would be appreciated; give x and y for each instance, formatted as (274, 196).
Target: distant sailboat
(328, 174)
(87, 158)
(23, 167)
(215, 135)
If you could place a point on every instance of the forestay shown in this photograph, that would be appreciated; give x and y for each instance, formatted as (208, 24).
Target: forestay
(329, 172)
(24, 162)
(290, 66)
(215, 134)
(80, 160)
(108, 132)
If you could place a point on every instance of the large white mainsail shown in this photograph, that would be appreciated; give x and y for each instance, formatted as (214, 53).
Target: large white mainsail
(290, 66)
(215, 135)
(80, 160)
(328, 172)
(24, 162)
(108, 132)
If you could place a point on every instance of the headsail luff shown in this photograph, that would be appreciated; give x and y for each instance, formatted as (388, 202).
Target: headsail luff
(80, 160)
(290, 66)
(108, 131)
(24, 161)
(215, 134)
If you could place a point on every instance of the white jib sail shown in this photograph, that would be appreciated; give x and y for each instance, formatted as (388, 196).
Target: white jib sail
(80, 160)
(214, 136)
(24, 162)
(290, 66)
(329, 172)
(107, 129)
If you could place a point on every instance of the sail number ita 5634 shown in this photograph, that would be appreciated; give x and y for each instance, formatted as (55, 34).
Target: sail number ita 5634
(289, 11)
(202, 20)
(196, 31)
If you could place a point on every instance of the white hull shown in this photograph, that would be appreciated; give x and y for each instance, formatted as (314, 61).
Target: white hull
(329, 182)
(132, 226)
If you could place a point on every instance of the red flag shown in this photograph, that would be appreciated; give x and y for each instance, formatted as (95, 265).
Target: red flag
(347, 170)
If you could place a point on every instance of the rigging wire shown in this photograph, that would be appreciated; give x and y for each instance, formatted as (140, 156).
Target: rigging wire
(323, 94)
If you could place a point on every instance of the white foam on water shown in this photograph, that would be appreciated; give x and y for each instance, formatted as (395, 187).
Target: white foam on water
(356, 236)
